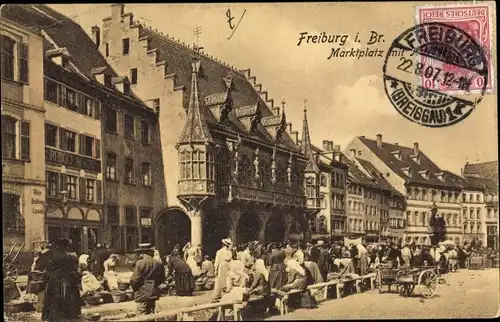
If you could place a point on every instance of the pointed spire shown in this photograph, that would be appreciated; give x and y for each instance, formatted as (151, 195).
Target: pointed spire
(195, 129)
(306, 148)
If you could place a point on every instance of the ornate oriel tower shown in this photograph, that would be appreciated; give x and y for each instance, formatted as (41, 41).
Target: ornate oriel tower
(311, 173)
(196, 155)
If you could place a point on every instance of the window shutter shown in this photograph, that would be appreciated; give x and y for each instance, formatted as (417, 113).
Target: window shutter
(81, 144)
(97, 148)
(82, 189)
(97, 112)
(98, 190)
(23, 62)
(25, 140)
(62, 139)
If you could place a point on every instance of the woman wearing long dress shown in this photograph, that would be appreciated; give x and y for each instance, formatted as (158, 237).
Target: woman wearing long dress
(298, 278)
(62, 298)
(277, 276)
(184, 281)
(222, 259)
(110, 274)
(195, 270)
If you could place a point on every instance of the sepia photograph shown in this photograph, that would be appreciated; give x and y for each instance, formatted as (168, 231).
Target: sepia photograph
(249, 161)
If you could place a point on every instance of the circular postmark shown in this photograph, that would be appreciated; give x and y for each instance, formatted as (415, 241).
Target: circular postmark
(428, 73)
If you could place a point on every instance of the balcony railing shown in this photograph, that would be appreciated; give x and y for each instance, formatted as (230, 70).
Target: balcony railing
(232, 192)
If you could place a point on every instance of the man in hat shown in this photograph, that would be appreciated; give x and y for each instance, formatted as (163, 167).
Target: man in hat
(148, 275)
(221, 266)
(323, 259)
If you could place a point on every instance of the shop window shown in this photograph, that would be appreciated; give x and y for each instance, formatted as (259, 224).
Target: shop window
(111, 120)
(90, 190)
(111, 166)
(52, 184)
(145, 131)
(129, 171)
(13, 221)
(8, 137)
(146, 174)
(129, 126)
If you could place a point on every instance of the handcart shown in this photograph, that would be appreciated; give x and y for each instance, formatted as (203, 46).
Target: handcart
(423, 277)
(10, 269)
(386, 276)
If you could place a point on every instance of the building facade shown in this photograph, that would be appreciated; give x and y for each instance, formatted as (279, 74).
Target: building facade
(231, 162)
(410, 172)
(23, 162)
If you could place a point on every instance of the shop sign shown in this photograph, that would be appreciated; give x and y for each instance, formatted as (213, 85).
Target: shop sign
(38, 202)
(71, 160)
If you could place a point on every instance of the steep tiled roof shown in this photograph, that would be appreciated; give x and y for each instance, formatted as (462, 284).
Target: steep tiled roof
(377, 176)
(212, 87)
(355, 175)
(484, 170)
(66, 33)
(488, 185)
(386, 155)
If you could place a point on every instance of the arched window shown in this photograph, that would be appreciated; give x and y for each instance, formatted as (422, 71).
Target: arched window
(13, 221)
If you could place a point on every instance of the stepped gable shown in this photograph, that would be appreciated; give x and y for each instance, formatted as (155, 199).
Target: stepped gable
(377, 176)
(396, 165)
(487, 170)
(212, 86)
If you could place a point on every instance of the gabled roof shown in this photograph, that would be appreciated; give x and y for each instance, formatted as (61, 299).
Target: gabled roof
(212, 86)
(355, 175)
(484, 170)
(385, 154)
(377, 176)
(487, 185)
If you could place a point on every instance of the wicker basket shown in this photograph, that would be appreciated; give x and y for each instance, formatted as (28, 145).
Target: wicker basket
(118, 296)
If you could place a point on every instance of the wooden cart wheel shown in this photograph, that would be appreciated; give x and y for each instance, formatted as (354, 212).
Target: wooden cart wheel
(428, 283)
(11, 272)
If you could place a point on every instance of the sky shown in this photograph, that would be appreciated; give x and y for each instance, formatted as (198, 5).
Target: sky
(345, 96)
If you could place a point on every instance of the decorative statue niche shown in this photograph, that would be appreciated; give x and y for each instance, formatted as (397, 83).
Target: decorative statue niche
(254, 121)
(234, 148)
(224, 110)
(256, 164)
(289, 170)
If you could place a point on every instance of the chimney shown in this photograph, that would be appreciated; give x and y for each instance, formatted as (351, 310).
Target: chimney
(326, 145)
(295, 136)
(96, 35)
(379, 141)
(415, 148)
(353, 153)
(337, 148)
(330, 146)
(289, 127)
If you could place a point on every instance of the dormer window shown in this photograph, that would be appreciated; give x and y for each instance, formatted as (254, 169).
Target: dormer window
(65, 62)
(407, 171)
(440, 176)
(416, 158)
(397, 154)
(424, 174)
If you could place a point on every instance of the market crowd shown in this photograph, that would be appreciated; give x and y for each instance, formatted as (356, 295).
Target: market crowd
(64, 282)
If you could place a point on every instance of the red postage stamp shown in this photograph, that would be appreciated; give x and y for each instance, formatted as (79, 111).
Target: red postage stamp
(473, 19)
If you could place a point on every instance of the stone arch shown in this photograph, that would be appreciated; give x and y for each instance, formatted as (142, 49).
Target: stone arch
(216, 226)
(247, 228)
(275, 230)
(75, 213)
(93, 214)
(173, 226)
